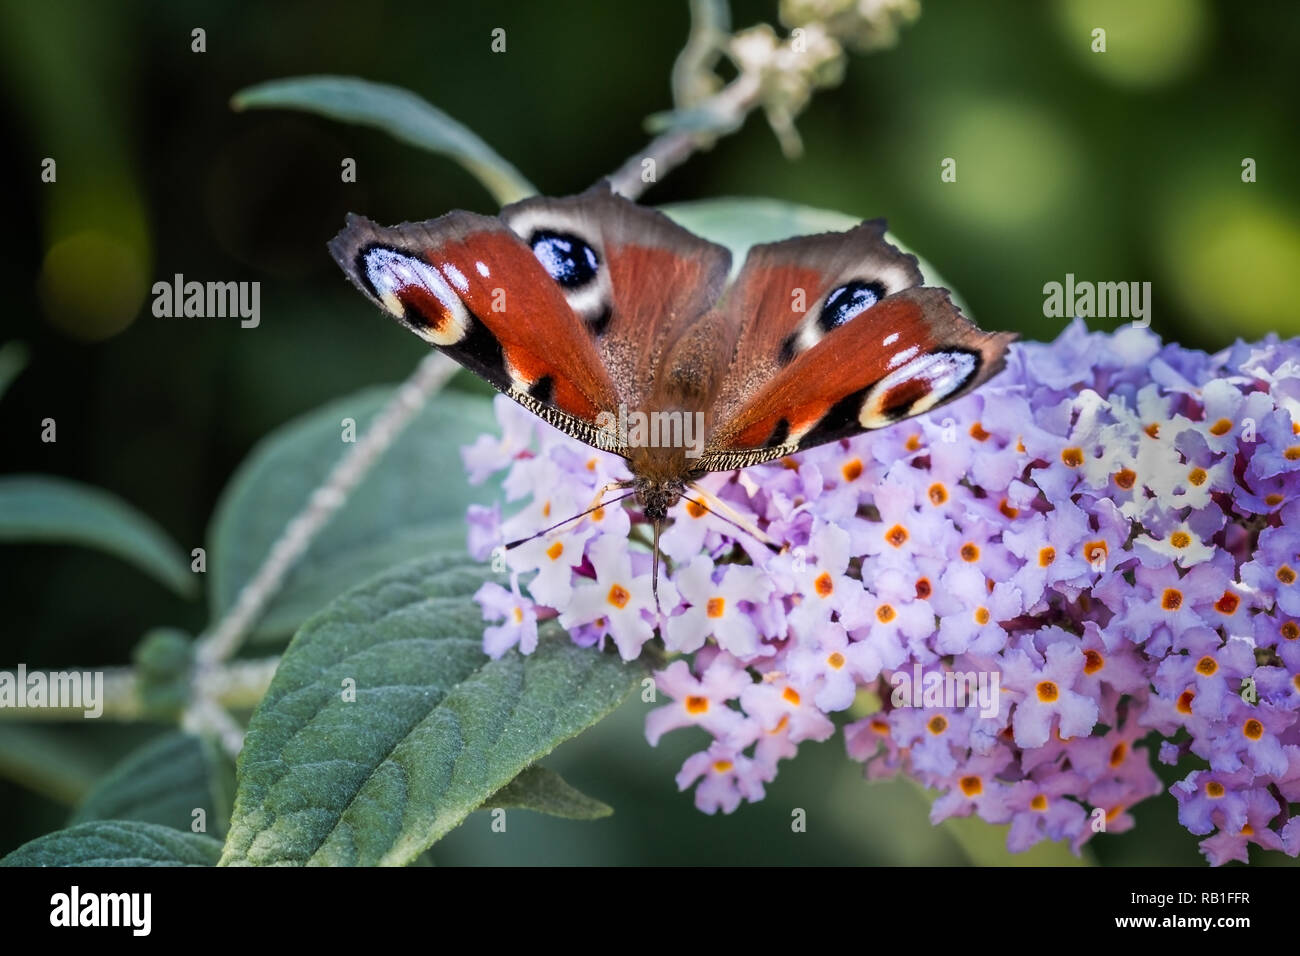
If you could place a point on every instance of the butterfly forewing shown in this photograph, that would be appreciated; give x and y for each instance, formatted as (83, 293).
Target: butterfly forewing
(471, 287)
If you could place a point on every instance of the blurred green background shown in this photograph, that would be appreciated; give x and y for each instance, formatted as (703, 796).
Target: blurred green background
(1122, 166)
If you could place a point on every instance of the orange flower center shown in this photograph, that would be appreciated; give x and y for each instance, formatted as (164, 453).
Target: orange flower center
(1172, 599)
(1228, 603)
(1197, 476)
(897, 536)
(619, 596)
(697, 705)
(1221, 427)
(1073, 457)
(885, 613)
(715, 607)
(978, 433)
(792, 696)
(1125, 478)
(824, 585)
(1093, 661)
(1046, 556)
(970, 551)
(852, 470)
(836, 660)
(937, 725)
(938, 494)
(982, 616)
(1180, 539)
(972, 785)
(1048, 691)
(1253, 729)
(1206, 666)
(923, 588)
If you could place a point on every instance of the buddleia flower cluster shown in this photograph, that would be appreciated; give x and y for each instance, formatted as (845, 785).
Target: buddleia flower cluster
(1022, 600)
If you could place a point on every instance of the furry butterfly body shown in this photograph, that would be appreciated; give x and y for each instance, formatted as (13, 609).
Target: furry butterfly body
(586, 307)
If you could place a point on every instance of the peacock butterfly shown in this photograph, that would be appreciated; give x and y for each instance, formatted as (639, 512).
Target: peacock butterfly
(583, 308)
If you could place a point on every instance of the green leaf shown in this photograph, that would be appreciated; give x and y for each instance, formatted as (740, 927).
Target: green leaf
(117, 843)
(435, 729)
(399, 113)
(739, 223)
(47, 509)
(13, 359)
(411, 503)
(164, 782)
(50, 761)
(545, 791)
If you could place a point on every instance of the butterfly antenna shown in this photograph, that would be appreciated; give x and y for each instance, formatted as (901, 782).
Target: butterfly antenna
(598, 505)
(732, 518)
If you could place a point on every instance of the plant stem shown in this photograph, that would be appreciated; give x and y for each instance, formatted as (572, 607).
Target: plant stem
(235, 685)
(669, 150)
(223, 641)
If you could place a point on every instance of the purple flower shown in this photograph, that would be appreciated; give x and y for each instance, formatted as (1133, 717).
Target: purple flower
(718, 605)
(1109, 528)
(1047, 697)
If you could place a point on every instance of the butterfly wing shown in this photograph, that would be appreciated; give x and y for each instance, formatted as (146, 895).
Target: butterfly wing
(653, 280)
(563, 304)
(835, 336)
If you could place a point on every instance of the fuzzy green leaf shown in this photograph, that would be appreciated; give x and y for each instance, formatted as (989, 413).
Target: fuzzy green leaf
(399, 113)
(545, 791)
(164, 782)
(411, 503)
(117, 843)
(435, 729)
(53, 510)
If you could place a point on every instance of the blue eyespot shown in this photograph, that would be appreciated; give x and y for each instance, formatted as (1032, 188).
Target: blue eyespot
(848, 302)
(566, 258)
